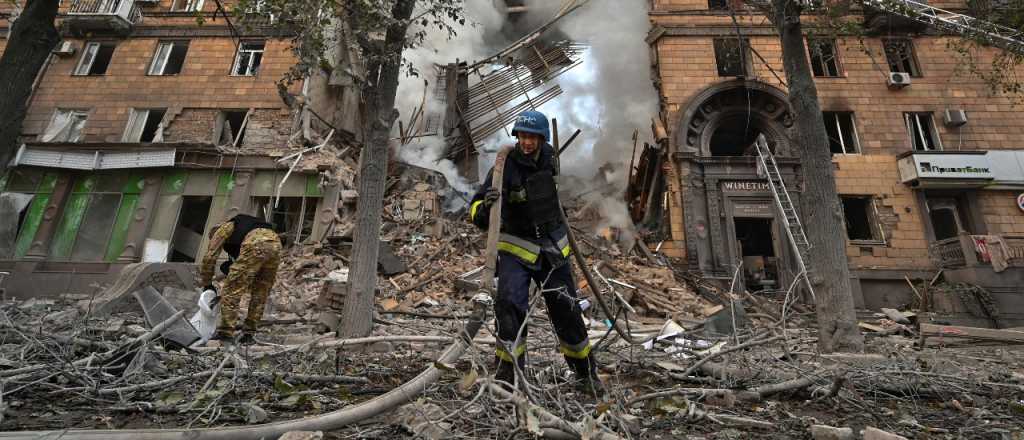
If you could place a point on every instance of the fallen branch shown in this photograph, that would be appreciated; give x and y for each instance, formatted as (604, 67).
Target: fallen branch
(748, 344)
(323, 422)
(134, 343)
(546, 418)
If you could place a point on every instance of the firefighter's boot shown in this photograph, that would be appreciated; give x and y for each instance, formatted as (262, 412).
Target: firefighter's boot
(505, 370)
(586, 379)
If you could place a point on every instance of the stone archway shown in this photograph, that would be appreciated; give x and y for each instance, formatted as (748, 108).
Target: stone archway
(724, 119)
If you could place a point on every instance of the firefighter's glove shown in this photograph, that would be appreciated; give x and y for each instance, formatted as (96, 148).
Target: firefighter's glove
(492, 195)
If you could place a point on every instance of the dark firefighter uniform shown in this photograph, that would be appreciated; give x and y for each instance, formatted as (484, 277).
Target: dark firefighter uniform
(533, 245)
(255, 253)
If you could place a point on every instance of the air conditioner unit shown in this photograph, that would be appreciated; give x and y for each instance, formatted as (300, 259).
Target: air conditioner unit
(898, 80)
(64, 49)
(955, 117)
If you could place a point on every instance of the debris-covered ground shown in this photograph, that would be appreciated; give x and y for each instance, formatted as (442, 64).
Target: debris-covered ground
(687, 361)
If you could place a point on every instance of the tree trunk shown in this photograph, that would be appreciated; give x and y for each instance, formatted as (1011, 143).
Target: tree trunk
(822, 209)
(379, 114)
(32, 38)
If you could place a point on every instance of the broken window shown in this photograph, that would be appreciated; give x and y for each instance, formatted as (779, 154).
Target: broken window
(66, 126)
(861, 224)
(948, 216)
(97, 203)
(168, 58)
(188, 233)
(899, 52)
(231, 125)
(145, 125)
(292, 217)
(921, 128)
(95, 58)
(248, 58)
(735, 135)
(824, 57)
(842, 134)
(187, 5)
(732, 56)
(23, 197)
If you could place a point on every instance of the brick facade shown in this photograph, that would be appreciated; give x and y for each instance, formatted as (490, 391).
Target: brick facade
(684, 64)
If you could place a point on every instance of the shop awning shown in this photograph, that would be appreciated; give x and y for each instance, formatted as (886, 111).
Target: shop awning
(93, 159)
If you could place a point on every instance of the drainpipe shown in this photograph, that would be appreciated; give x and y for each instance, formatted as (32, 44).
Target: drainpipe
(39, 78)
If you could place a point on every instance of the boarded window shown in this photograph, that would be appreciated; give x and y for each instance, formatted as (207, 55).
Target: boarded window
(95, 58)
(248, 58)
(861, 221)
(899, 52)
(145, 125)
(842, 134)
(824, 57)
(168, 58)
(732, 56)
(66, 126)
(921, 128)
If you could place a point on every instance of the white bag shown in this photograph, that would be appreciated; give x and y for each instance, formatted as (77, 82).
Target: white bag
(205, 319)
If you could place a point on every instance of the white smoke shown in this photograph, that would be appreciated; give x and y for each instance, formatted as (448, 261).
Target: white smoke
(483, 19)
(608, 96)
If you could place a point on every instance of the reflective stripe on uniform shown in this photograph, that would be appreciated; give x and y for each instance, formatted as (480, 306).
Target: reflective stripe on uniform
(577, 351)
(504, 355)
(563, 245)
(524, 249)
(473, 208)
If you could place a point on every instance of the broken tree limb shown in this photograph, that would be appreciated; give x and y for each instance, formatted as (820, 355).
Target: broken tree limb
(134, 343)
(546, 418)
(494, 225)
(748, 344)
(323, 422)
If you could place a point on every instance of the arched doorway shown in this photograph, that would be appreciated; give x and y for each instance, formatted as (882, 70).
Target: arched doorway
(725, 119)
(729, 214)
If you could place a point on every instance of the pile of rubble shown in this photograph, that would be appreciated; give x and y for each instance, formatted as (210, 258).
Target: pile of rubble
(680, 357)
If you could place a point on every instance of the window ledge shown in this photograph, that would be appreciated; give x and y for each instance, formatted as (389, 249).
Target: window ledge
(867, 242)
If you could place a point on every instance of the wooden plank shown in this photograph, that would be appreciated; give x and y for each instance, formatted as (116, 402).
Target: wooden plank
(956, 331)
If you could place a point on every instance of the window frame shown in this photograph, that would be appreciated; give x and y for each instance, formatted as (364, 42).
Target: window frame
(238, 58)
(307, 206)
(190, 5)
(71, 112)
(874, 225)
(744, 55)
(133, 121)
(92, 59)
(911, 59)
(834, 44)
(933, 130)
(839, 128)
(170, 44)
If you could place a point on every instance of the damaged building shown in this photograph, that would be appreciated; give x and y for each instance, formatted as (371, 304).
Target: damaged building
(927, 162)
(146, 128)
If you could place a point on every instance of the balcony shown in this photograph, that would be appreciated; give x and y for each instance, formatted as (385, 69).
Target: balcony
(117, 16)
(878, 19)
(972, 251)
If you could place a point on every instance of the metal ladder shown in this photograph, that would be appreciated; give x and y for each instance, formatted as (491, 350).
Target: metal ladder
(790, 220)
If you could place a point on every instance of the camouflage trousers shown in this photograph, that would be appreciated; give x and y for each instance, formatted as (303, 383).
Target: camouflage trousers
(254, 272)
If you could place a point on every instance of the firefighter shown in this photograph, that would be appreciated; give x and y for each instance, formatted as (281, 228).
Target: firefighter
(254, 252)
(533, 245)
